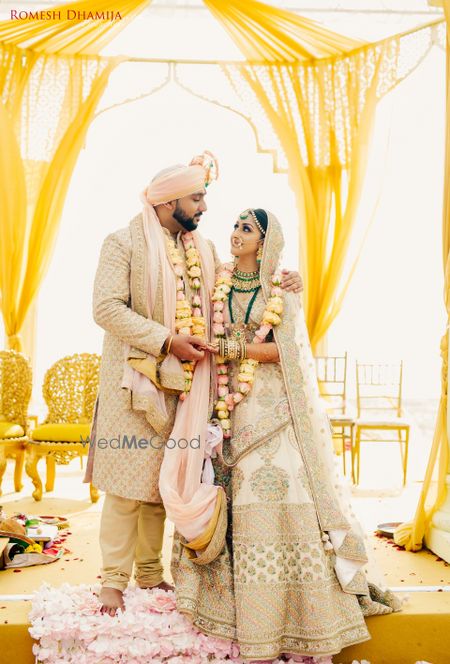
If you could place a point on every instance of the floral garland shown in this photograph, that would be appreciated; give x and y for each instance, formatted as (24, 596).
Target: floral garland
(189, 317)
(271, 318)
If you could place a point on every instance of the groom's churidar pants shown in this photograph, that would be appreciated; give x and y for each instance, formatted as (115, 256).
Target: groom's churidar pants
(131, 531)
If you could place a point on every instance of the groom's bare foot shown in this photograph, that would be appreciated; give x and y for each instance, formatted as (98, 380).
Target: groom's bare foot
(162, 586)
(111, 599)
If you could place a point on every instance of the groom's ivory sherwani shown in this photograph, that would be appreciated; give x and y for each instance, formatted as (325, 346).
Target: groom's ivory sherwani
(120, 307)
(127, 473)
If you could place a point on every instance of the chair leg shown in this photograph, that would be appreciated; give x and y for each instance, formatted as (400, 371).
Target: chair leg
(344, 452)
(18, 470)
(32, 472)
(51, 468)
(358, 454)
(94, 493)
(2, 465)
(405, 456)
(352, 452)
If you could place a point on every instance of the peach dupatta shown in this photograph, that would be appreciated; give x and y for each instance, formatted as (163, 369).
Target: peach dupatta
(189, 502)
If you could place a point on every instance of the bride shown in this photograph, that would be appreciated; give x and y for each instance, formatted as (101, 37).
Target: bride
(287, 577)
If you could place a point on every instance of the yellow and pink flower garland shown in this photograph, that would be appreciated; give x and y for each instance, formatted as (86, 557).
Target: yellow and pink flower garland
(272, 317)
(189, 317)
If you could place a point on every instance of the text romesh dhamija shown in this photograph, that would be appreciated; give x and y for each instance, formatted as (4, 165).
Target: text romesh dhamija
(64, 15)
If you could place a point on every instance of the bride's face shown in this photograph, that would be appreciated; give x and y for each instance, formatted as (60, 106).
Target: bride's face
(246, 238)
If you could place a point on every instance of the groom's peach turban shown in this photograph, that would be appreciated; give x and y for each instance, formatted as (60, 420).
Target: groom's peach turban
(178, 181)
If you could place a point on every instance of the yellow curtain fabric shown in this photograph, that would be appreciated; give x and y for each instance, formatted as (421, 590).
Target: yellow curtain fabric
(319, 92)
(326, 154)
(298, 100)
(48, 98)
(434, 492)
(70, 31)
(269, 34)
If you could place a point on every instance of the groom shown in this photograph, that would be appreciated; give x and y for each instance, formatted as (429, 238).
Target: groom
(135, 412)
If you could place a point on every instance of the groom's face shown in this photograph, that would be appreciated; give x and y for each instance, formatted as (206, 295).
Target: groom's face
(189, 209)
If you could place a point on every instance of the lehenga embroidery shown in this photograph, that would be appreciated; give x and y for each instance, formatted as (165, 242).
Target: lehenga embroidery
(270, 482)
(274, 588)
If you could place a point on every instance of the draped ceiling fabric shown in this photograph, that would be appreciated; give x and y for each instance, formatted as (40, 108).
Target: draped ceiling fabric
(319, 92)
(51, 80)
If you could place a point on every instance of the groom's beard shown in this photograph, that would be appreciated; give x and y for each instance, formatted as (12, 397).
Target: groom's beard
(188, 223)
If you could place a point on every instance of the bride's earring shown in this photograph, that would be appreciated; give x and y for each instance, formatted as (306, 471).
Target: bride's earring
(259, 254)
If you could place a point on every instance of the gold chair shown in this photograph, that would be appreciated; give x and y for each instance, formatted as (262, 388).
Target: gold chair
(332, 379)
(15, 393)
(70, 390)
(379, 408)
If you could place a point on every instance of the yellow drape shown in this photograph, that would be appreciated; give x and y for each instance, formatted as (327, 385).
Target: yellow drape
(49, 89)
(319, 92)
(326, 169)
(68, 35)
(434, 492)
(268, 34)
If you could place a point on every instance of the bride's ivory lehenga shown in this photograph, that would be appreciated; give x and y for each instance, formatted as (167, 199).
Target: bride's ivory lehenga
(290, 577)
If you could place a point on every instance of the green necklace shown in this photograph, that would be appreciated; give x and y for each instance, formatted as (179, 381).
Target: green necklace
(250, 304)
(245, 282)
(246, 276)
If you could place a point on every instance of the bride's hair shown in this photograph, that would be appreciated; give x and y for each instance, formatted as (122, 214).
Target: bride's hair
(262, 217)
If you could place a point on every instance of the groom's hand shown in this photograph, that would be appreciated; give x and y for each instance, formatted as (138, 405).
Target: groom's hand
(291, 281)
(187, 348)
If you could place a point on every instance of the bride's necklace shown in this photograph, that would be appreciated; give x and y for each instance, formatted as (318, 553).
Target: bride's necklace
(245, 282)
(249, 306)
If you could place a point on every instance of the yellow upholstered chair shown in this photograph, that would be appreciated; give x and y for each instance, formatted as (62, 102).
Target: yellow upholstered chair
(379, 409)
(15, 393)
(70, 390)
(332, 379)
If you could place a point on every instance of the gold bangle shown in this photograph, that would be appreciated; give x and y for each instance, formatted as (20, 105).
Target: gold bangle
(233, 349)
(169, 345)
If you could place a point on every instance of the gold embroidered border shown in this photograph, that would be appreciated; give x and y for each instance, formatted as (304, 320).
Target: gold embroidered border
(358, 585)
(217, 540)
(138, 286)
(231, 462)
(326, 647)
(265, 522)
(352, 548)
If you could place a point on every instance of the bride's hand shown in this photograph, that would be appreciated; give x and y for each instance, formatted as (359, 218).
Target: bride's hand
(212, 347)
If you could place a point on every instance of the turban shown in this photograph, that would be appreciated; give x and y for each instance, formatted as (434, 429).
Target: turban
(178, 181)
